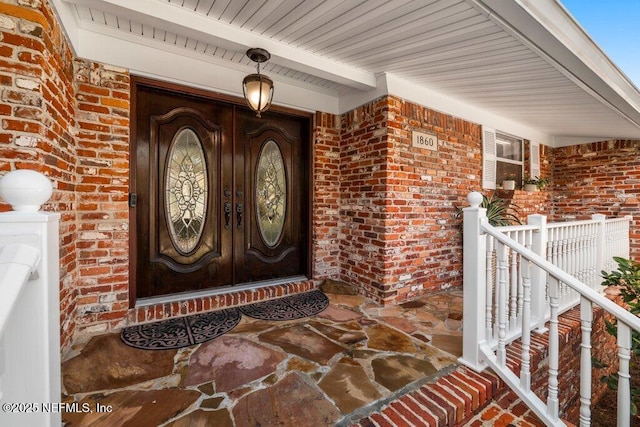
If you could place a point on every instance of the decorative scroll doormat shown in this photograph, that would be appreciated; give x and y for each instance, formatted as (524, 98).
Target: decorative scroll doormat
(181, 331)
(198, 328)
(288, 308)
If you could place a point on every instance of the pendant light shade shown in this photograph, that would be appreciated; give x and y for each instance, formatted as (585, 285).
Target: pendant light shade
(258, 88)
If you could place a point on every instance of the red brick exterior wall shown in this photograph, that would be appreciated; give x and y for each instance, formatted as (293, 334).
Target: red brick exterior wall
(102, 195)
(37, 110)
(326, 196)
(363, 174)
(602, 177)
(400, 235)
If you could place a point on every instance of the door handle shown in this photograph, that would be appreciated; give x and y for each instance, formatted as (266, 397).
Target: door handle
(227, 214)
(239, 214)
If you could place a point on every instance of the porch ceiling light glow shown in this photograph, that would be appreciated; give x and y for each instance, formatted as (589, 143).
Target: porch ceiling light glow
(258, 88)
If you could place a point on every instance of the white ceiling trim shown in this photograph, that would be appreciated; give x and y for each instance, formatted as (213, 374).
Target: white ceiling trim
(180, 21)
(161, 63)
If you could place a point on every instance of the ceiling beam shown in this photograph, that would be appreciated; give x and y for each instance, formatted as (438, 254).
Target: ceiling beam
(178, 20)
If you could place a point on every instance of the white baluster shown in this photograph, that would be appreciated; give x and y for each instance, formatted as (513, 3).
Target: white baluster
(513, 295)
(526, 242)
(489, 290)
(624, 387)
(593, 258)
(586, 319)
(502, 303)
(525, 374)
(552, 399)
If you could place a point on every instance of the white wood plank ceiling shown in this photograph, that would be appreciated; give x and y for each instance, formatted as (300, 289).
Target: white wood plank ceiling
(524, 60)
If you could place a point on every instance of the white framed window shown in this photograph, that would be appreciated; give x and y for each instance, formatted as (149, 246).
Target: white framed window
(502, 157)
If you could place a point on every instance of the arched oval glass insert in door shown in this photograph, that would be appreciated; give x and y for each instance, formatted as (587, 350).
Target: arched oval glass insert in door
(271, 193)
(186, 191)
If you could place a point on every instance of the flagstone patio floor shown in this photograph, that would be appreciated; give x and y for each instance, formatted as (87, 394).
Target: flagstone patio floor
(355, 363)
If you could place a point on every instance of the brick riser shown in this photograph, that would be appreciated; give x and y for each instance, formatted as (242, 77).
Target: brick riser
(462, 397)
(150, 313)
(467, 398)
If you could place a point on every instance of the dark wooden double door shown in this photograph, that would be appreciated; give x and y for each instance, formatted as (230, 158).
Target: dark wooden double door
(222, 196)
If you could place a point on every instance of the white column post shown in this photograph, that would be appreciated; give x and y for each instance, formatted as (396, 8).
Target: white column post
(474, 282)
(539, 276)
(32, 350)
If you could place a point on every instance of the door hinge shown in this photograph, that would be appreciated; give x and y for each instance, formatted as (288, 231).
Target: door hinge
(133, 200)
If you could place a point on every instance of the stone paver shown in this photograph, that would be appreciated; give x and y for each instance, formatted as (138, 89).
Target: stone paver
(106, 364)
(304, 342)
(348, 385)
(313, 371)
(131, 408)
(231, 362)
(395, 372)
(273, 406)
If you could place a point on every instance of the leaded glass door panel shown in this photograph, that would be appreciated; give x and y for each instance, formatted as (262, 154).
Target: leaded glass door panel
(272, 243)
(181, 242)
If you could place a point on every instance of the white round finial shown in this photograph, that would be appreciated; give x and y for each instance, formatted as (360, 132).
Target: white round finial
(25, 190)
(474, 198)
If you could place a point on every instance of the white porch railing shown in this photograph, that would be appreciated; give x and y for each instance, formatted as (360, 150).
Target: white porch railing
(540, 271)
(29, 312)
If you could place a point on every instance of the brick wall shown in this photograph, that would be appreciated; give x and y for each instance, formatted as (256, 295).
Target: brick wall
(400, 237)
(602, 177)
(363, 186)
(102, 194)
(37, 110)
(326, 196)
(69, 119)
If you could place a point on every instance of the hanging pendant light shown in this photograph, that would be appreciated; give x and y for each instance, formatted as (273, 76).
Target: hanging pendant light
(258, 88)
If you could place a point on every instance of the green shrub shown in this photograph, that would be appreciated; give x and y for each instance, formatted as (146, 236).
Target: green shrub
(627, 279)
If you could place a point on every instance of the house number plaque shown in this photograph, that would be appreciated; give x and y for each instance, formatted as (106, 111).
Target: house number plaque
(424, 140)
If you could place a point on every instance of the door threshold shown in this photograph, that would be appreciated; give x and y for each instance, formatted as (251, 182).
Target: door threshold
(163, 299)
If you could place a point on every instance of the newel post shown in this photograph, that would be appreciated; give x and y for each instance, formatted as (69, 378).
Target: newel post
(474, 282)
(30, 350)
(538, 275)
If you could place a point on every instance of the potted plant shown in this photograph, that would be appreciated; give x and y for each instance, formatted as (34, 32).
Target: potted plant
(499, 211)
(509, 182)
(534, 184)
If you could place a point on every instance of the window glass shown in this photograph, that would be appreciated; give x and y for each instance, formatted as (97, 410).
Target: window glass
(508, 147)
(509, 158)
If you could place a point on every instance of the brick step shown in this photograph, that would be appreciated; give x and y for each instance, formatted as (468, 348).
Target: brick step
(464, 397)
(460, 398)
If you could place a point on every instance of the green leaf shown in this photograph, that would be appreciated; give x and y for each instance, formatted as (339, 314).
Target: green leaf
(597, 363)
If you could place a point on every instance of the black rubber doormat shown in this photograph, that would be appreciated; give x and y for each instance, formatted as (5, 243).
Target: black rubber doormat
(198, 328)
(290, 307)
(181, 331)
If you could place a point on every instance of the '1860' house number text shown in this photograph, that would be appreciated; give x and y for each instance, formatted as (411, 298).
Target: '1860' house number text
(424, 140)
